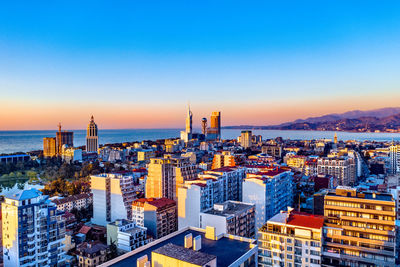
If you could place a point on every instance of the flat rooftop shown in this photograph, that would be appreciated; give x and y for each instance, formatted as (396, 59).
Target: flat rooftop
(226, 250)
(184, 254)
(230, 208)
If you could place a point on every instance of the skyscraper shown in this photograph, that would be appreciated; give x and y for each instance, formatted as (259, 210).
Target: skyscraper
(216, 122)
(63, 138)
(245, 139)
(92, 138)
(33, 230)
(189, 121)
(49, 147)
(187, 134)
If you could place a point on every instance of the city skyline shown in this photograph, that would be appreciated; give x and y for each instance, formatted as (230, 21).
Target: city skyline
(259, 64)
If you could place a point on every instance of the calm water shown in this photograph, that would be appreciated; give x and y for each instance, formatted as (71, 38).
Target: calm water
(24, 141)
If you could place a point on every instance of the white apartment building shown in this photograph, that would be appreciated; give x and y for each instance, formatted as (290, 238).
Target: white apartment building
(343, 168)
(216, 186)
(231, 217)
(112, 197)
(394, 155)
(33, 230)
(126, 235)
(271, 191)
(291, 239)
(80, 201)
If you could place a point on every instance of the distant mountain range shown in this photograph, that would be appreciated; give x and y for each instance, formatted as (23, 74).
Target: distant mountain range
(384, 120)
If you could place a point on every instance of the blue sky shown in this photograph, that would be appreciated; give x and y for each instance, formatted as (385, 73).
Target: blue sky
(272, 61)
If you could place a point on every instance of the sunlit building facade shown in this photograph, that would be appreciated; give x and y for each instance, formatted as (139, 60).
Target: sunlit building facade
(166, 174)
(271, 191)
(291, 239)
(360, 228)
(112, 197)
(49, 147)
(33, 230)
(92, 137)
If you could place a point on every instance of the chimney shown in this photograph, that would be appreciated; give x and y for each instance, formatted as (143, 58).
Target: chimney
(210, 233)
(197, 243)
(142, 261)
(188, 240)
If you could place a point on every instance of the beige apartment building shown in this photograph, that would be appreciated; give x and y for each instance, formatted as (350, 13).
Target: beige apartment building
(360, 228)
(166, 174)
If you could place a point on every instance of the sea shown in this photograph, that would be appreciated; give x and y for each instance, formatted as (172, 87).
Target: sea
(25, 141)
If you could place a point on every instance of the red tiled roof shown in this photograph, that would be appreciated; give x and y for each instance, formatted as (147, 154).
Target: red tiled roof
(85, 229)
(156, 202)
(306, 220)
(272, 172)
(223, 169)
(68, 215)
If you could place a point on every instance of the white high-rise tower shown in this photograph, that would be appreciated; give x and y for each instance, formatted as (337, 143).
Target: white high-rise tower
(92, 138)
(187, 134)
(189, 121)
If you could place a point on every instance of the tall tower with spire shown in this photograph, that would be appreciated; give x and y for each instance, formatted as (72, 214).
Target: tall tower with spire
(335, 138)
(189, 121)
(92, 138)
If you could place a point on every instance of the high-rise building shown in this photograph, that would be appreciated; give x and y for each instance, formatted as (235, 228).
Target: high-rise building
(189, 120)
(63, 138)
(112, 197)
(92, 138)
(187, 134)
(216, 122)
(49, 147)
(224, 159)
(33, 230)
(245, 139)
(159, 216)
(230, 217)
(204, 126)
(343, 168)
(166, 174)
(394, 159)
(360, 228)
(273, 150)
(271, 191)
(212, 187)
(291, 239)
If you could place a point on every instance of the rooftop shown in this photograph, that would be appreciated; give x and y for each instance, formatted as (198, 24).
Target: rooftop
(90, 248)
(222, 169)
(24, 194)
(229, 208)
(300, 219)
(156, 202)
(71, 198)
(218, 248)
(343, 191)
(14, 156)
(185, 254)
